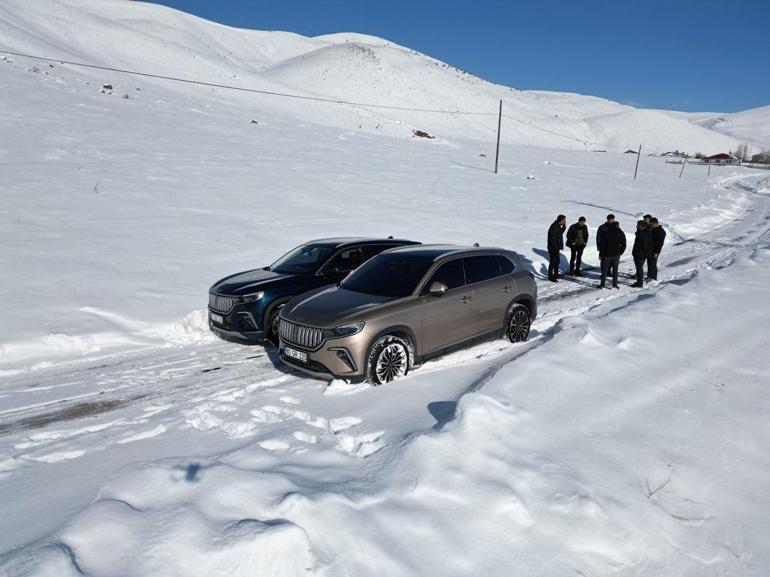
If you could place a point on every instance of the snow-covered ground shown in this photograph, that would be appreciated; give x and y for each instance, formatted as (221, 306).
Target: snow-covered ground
(626, 437)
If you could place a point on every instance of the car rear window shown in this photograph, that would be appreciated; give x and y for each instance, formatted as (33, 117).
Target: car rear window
(506, 266)
(481, 268)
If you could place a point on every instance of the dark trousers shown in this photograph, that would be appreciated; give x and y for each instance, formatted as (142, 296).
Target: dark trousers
(610, 266)
(576, 258)
(554, 256)
(652, 267)
(639, 262)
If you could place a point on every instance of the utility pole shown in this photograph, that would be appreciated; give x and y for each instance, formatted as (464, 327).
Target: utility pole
(637, 161)
(499, 122)
(683, 165)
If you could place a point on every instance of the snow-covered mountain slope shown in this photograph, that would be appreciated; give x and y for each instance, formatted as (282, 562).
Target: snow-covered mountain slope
(751, 127)
(353, 67)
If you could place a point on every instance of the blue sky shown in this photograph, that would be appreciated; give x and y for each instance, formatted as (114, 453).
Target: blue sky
(692, 55)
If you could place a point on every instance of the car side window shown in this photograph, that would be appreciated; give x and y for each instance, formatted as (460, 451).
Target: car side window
(450, 273)
(481, 268)
(506, 266)
(375, 249)
(346, 260)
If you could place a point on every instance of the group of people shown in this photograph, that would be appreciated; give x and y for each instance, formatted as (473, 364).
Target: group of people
(611, 244)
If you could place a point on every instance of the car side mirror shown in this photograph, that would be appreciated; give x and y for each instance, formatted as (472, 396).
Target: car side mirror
(437, 288)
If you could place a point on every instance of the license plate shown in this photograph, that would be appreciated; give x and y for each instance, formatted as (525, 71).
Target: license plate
(217, 319)
(297, 355)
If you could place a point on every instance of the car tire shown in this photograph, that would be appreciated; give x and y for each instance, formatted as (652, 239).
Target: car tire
(389, 359)
(518, 323)
(273, 323)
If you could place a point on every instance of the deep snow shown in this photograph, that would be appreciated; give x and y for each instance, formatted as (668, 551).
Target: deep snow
(626, 437)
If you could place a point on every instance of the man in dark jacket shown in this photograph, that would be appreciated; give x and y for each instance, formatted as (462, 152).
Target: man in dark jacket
(642, 251)
(602, 230)
(555, 245)
(658, 239)
(613, 245)
(577, 239)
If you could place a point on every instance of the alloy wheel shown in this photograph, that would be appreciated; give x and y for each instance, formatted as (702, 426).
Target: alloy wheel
(518, 327)
(392, 363)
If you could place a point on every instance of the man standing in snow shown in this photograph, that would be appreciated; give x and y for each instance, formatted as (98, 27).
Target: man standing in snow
(642, 251)
(658, 239)
(555, 245)
(613, 244)
(602, 230)
(577, 239)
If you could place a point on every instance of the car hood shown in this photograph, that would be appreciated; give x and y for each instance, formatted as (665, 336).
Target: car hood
(249, 281)
(329, 307)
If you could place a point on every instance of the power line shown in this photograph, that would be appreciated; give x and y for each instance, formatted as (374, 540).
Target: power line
(576, 139)
(252, 90)
(302, 97)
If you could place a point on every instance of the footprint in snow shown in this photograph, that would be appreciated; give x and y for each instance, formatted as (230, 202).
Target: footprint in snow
(360, 446)
(305, 437)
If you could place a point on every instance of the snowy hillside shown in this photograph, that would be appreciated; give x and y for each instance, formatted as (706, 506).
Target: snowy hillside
(751, 127)
(362, 69)
(627, 437)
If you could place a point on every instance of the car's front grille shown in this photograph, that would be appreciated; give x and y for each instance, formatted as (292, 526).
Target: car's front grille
(301, 335)
(221, 303)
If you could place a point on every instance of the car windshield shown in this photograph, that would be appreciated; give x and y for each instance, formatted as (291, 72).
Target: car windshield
(389, 275)
(304, 259)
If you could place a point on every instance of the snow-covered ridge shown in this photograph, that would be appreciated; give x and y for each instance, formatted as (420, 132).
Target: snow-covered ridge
(344, 66)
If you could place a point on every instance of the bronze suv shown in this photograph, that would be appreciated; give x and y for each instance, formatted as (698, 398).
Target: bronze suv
(404, 306)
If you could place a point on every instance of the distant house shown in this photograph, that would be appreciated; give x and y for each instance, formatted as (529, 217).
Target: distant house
(676, 153)
(761, 158)
(721, 158)
(629, 151)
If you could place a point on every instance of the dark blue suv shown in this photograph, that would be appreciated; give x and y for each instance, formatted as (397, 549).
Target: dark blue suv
(245, 306)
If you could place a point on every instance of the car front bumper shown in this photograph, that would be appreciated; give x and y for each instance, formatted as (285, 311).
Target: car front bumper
(238, 325)
(343, 357)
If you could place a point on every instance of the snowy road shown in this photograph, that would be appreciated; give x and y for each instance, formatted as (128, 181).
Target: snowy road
(212, 398)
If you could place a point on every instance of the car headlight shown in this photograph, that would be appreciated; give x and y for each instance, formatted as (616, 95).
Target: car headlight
(345, 330)
(250, 298)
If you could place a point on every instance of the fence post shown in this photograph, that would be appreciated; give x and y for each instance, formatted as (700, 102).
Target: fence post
(499, 122)
(637, 161)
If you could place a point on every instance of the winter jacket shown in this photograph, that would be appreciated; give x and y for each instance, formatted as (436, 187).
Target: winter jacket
(600, 232)
(555, 237)
(613, 243)
(658, 238)
(642, 244)
(572, 233)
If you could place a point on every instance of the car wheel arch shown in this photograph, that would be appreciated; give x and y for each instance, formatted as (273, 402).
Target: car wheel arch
(270, 308)
(523, 300)
(401, 331)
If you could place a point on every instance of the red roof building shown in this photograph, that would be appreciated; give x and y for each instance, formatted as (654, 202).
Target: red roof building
(721, 158)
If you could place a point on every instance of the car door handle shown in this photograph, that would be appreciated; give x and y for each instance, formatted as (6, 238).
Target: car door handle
(466, 300)
(506, 289)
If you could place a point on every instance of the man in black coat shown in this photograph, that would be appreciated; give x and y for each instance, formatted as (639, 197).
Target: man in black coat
(613, 244)
(577, 239)
(602, 230)
(658, 239)
(555, 245)
(642, 251)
